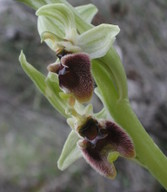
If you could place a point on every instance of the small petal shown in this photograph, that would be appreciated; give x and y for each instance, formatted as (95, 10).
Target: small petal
(54, 67)
(75, 76)
(60, 15)
(51, 36)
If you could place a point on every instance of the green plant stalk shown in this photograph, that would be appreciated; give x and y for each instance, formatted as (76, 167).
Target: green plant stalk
(147, 152)
(115, 100)
(117, 72)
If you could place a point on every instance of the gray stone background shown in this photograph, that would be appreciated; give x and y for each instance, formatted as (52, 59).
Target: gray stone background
(32, 133)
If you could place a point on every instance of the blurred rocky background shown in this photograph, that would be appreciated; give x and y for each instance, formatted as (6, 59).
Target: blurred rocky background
(32, 133)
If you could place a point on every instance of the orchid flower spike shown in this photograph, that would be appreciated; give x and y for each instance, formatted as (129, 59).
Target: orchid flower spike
(70, 83)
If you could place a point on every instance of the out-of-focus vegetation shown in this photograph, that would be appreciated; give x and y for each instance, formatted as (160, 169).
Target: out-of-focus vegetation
(32, 133)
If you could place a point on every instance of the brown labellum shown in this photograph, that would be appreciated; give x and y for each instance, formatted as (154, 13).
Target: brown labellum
(99, 139)
(75, 75)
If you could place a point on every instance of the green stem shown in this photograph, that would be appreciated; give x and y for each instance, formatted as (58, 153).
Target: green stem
(117, 72)
(147, 152)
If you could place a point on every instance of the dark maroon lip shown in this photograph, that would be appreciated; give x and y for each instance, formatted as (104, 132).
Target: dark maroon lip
(74, 75)
(101, 138)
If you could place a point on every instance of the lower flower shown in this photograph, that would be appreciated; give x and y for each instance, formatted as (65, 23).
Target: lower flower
(101, 139)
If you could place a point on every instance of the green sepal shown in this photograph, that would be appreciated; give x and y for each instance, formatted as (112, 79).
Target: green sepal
(98, 40)
(70, 152)
(87, 12)
(37, 77)
(61, 14)
(45, 24)
(50, 91)
(81, 25)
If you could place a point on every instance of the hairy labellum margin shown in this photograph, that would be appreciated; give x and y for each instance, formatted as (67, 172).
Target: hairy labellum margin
(101, 138)
(74, 73)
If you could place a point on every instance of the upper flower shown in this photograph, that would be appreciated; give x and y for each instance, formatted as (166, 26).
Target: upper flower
(74, 75)
(57, 27)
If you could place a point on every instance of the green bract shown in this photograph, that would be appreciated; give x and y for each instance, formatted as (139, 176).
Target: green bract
(70, 152)
(49, 89)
